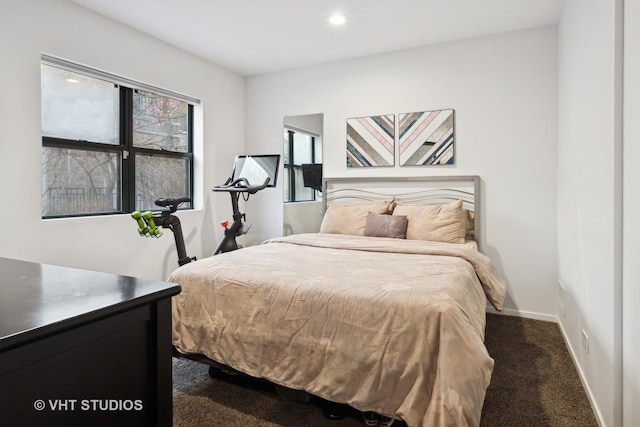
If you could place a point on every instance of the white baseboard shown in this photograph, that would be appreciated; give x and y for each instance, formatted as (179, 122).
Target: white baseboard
(525, 314)
(581, 375)
(554, 318)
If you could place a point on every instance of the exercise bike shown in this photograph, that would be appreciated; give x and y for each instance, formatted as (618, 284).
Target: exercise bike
(235, 188)
(149, 224)
(250, 175)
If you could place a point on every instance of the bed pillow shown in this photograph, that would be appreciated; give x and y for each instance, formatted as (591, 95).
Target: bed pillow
(343, 218)
(439, 223)
(380, 225)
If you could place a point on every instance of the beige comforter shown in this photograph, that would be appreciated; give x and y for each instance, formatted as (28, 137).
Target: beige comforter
(386, 325)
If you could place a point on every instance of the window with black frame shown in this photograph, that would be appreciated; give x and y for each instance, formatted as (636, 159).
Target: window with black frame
(109, 147)
(299, 149)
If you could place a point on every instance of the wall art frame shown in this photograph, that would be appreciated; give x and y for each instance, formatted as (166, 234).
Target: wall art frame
(426, 138)
(371, 141)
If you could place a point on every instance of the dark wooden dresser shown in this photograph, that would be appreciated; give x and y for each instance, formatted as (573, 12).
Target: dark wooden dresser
(85, 348)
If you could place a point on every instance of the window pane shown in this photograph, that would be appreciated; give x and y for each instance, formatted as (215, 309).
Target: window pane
(302, 152)
(79, 182)
(160, 177)
(159, 123)
(303, 193)
(78, 107)
(287, 186)
(285, 149)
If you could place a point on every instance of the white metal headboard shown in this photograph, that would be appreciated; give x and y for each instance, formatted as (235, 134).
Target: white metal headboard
(430, 190)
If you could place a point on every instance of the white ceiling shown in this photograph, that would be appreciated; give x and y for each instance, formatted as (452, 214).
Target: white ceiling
(259, 36)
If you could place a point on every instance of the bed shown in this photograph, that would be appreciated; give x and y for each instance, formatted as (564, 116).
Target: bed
(358, 313)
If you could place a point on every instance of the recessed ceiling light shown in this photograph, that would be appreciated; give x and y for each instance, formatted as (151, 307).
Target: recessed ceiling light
(73, 80)
(337, 19)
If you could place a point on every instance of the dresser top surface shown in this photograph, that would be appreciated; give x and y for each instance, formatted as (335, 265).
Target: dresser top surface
(37, 297)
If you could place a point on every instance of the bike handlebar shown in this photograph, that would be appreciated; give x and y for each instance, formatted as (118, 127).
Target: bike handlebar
(241, 185)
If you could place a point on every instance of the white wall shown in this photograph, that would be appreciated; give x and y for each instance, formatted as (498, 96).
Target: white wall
(110, 243)
(503, 90)
(302, 217)
(631, 254)
(589, 196)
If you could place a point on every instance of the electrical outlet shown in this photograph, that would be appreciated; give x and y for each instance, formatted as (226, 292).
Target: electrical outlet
(585, 341)
(561, 292)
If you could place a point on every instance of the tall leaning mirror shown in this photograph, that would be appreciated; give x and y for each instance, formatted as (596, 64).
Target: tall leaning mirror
(302, 162)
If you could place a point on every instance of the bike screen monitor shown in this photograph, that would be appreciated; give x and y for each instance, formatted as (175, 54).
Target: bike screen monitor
(256, 169)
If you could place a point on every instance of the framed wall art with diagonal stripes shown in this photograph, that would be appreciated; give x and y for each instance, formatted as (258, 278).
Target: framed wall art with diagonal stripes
(371, 141)
(426, 138)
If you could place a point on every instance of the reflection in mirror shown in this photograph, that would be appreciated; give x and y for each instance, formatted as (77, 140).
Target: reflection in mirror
(302, 146)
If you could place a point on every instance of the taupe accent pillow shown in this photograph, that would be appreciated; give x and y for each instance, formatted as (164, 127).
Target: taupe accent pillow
(439, 223)
(343, 218)
(379, 225)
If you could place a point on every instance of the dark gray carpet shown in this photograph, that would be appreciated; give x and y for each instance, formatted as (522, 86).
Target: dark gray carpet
(534, 383)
